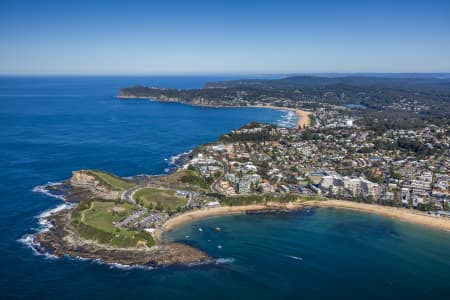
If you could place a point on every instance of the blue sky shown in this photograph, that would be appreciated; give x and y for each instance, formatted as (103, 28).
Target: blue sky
(193, 37)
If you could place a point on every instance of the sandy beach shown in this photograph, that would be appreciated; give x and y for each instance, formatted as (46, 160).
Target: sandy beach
(303, 119)
(402, 214)
(191, 216)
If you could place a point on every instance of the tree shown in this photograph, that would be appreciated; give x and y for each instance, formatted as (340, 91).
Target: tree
(410, 202)
(330, 191)
(445, 206)
(397, 200)
(360, 196)
(397, 176)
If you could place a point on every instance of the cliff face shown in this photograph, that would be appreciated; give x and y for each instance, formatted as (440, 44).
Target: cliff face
(83, 179)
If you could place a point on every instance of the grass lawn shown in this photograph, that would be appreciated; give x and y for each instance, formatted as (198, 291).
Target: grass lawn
(95, 223)
(166, 199)
(187, 177)
(311, 198)
(112, 181)
(101, 214)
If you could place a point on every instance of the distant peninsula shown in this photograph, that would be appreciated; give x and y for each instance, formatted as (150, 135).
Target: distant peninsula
(376, 93)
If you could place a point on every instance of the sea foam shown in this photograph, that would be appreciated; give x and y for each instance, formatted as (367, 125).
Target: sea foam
(29, 239)
(288, 120)
(43, 189)
(221, 261)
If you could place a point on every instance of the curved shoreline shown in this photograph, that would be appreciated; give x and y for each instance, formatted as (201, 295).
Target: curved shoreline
(401, 214)
(164, 254)
(303, 119)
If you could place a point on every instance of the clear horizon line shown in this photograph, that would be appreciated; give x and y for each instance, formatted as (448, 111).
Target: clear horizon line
(211, 73)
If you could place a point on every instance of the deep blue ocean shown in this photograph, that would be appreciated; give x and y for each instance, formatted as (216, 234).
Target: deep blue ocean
(50, 126)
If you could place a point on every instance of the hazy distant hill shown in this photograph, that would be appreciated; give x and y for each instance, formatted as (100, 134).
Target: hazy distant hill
(414, 96)
(411, 82)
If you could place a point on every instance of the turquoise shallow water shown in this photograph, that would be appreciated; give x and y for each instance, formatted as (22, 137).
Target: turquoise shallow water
(323, 253)
(51, 126)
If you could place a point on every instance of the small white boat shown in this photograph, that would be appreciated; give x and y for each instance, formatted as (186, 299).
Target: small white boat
(200, 229)
(295, 257)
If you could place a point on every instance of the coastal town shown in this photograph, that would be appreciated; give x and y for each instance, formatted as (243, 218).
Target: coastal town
(335, 158)
(224, 150)
(328, 155)
(346, 156)
(351, 142)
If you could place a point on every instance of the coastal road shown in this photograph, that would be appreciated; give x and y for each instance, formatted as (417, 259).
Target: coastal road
(213, 186)
(128, 195)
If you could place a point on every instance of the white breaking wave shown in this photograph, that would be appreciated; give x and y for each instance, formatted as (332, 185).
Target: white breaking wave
(114, 265)
(42, 217)
(30, 241)
(43, 189)
(173, 159)
(221, 261)
(44, 225)
(129, 267)
(288, 120)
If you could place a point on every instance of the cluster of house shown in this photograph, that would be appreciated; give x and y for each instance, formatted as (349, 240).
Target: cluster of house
(243, 177)
(254, 130)
(426, 188)
(347, 161)
(206, 164)
(409, 105)
(334, 184)
(329, 118)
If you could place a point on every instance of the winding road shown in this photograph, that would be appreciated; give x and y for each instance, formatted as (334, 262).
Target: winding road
(213, 186)
(128, 195)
